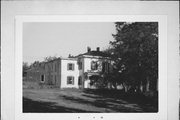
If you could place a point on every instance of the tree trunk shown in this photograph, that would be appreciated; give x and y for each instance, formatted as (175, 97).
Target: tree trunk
(147, 85)
(125, 87)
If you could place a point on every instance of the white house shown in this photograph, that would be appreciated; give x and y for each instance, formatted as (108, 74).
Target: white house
(92, 63)
(69, 73)
(73, 72)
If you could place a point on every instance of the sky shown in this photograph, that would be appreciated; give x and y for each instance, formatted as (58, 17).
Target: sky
(60, 39)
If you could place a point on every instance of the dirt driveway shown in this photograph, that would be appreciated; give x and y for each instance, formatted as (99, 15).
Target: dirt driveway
(81, 101)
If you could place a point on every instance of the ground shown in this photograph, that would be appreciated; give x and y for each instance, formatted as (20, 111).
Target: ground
(81, 101)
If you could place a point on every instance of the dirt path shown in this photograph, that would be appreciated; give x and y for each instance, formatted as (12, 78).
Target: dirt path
(73, 100)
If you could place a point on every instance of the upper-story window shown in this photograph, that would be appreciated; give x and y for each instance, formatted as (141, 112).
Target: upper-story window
(105, 67)
(94, 65)
(70, 66)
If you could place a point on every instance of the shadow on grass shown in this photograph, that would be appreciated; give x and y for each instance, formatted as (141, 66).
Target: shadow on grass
(147, 104)
(109, 105)
(102, 100)
(30, 106)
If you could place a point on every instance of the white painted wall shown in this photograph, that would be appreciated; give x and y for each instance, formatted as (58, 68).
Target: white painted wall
(65, 73)
(87, 68)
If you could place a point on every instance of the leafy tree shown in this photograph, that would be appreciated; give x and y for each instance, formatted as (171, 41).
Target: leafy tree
(25, 66)
(49, 58)
(35, 64)
(95, 80)
(135, 53)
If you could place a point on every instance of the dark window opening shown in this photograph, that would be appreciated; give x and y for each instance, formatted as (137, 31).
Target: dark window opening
(94, 65)
(105, 67)
(42, 78)
(70, 66)
(70, 80)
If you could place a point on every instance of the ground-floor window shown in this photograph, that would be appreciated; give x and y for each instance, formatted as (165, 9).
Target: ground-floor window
(42, 78)
(70, 80)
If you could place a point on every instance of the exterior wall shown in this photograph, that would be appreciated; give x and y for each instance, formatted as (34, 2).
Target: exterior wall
(52, 73)
(34, 73)
(87, 64)
(55, 72)
(65, 73)
(81, 73)
(87, 69)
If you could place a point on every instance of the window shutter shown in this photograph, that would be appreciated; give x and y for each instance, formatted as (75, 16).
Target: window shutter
(72, 66)
(103, 67)
(67, 79)
(73, 80)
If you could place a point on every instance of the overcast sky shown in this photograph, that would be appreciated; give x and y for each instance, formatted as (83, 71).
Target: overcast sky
(61, 39)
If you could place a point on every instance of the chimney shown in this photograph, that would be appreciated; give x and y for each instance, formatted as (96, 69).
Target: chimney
(88, 49)
(97, 49)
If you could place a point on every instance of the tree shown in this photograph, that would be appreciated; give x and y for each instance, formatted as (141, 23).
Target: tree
(49, 58)
(35, 64)
(25, 67)
(135, 53)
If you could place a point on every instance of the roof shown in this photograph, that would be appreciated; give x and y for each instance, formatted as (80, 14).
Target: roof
(95, 53)
(60, 58)
(72, 58)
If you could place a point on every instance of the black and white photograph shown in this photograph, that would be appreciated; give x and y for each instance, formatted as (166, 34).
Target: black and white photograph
(89, 60)
(90, 67)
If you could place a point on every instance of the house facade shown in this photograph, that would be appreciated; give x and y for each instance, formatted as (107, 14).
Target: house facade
(72, 72)
(92, 63)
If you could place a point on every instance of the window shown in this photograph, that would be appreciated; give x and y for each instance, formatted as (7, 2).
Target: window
(42, 78)
(80, 65)
(70, 80)
(105, 67)
(94, 65)
(70, 66)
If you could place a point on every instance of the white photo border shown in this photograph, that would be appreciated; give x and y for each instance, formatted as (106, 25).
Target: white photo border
(162, 65)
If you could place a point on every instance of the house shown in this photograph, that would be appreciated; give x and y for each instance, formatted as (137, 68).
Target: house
(35, 72)
(72, 72)
(92, 63)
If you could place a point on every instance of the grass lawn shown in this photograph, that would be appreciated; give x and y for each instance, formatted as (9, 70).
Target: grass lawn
(81, 101)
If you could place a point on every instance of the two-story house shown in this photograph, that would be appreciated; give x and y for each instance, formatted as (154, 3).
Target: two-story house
(92, 63)
(73, 72)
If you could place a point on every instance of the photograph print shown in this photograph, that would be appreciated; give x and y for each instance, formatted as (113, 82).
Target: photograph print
(90, 67)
